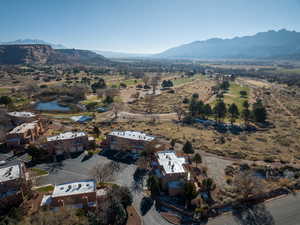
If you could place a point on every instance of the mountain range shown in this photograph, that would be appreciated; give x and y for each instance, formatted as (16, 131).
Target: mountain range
(282, 44)
(32, 42)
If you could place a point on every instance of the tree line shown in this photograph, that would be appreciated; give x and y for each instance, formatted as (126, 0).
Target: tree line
(221, 110)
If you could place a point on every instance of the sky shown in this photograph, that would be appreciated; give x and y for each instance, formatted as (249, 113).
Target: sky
(141, 26)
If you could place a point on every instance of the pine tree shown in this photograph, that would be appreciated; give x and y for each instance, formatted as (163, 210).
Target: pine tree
(197, 159)
(220, 111)
(188, 148)
(233, 112)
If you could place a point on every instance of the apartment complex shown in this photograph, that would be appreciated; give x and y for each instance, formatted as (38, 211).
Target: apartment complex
(81, 194)
(171, 171)
(12, 177)
(69, 142)
(129, 140)
(18, 118)
(26, 133)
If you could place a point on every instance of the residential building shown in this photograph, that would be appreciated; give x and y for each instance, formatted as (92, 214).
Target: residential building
(68, 143)
(18, 118)
(171, 170)
(81, 194)
(129, 141)
(12, 178)
(26, 133)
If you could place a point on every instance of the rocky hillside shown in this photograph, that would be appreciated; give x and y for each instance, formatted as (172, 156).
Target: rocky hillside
(25, 54)
(45, 54)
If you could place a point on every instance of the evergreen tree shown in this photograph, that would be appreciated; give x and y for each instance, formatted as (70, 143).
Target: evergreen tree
(220, 111)
(208, 185)
(207, 110)
(188, 148)
(96, 130)
(197, 159)
(193, 107)
(5, 100)
(172, 143)
(233, 112)
(153, 185)
(200, 109)
(190, 191)
(259, 112)
(246, 112)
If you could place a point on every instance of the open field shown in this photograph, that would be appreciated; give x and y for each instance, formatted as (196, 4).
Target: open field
(233, 95)
(295, 71)
(165, 102)
(257, 83)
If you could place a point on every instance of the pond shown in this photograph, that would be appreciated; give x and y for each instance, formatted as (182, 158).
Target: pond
(51, 106)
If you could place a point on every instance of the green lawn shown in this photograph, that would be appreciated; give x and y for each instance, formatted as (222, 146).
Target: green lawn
(184, 80)
(233, 95)
(39, 172)
(45, 189)
(129, 82)
(4, 91)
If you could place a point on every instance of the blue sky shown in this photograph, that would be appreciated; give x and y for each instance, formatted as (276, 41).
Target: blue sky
(141, 26)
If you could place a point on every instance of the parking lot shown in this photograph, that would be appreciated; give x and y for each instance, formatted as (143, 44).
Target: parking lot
(74, 169)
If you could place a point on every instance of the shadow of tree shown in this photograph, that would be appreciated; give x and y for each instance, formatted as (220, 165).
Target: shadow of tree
(54, 167)
(138, 178)
(146, 205)
(253, 215)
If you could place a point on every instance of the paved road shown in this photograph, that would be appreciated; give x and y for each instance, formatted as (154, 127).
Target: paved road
(283, 211)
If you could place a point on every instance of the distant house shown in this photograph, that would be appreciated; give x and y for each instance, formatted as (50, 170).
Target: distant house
(81, 194)
(69, 142)
(26, 133)
(18, 118)
(129, 141)
(12, 179)
(171, 171)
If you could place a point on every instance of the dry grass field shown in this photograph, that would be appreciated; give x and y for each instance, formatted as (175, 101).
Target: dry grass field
(165, 102)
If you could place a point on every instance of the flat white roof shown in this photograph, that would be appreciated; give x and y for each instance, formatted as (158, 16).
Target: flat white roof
(74, 188)
(22, 114)
(65, 136)
(171, 162)
(10, 173)
(23, 128)
(134, 135)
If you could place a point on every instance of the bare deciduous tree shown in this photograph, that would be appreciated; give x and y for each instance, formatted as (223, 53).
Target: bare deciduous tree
(154, 119)
(64, 216)
(29, 89)
(149, 103)
(112, 92)
(146, 79)
(103, 173)
(179, 111)
(100, 93)
(246, 184)
(116, 108)
(155, 82)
